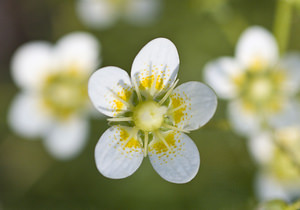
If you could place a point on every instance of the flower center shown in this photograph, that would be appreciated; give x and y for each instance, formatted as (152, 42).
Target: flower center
(65, 93)
(261, 89)
(149, 115)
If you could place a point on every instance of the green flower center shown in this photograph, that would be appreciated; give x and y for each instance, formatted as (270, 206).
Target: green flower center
(261, 91)
(149, 115)
(65, 93)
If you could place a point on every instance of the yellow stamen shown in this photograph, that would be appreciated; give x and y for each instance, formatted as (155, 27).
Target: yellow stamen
(136, 89)
(121, 99)
(158, 134)
(168, 93)
(174, 128)
(133, 134)
(177, 108)
(119, 119)
(146, 144)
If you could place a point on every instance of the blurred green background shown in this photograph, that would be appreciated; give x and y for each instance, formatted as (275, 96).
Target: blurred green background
(202, 30)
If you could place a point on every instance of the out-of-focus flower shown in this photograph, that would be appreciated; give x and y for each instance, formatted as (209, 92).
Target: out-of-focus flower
(278, 155)
(104, 13)
(273, 205)
(258, 84)
(54, 101)
(151, 116)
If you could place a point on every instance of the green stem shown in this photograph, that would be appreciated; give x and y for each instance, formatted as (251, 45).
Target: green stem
(282, 23)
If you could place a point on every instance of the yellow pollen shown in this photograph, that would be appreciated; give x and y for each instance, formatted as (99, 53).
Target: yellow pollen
(128, 143)
(179, 113)
(160, 147)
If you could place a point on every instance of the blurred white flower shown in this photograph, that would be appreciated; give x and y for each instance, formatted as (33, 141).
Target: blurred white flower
(150, 116)
(278, 156)
(53, 103)
(258, 84)
(104, 13)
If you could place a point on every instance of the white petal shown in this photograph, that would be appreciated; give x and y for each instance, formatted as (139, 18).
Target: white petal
(220, 75)
(180, 163)
(261, 147)
(114, 158)
(30, 63)
(242, 121)
(156, 66)
(64, 140)
(290, 64)
(289, 115)
(198, 103)
(140, 12)
(78, 50)
(97, 13)
(26, 116)
(257, 46)
(106, 87)
(268, 188)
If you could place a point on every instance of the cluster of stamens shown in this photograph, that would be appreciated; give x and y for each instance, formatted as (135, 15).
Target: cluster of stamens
(150, 116)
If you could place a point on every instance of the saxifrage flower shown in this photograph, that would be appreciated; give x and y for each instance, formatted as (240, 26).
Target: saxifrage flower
(150, 115)
(54, 103)
(259, 85)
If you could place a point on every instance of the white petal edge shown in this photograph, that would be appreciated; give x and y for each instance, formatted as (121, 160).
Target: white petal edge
(268, 188)
(26, 117)
(290, 63)
(261, 148)
(179, 167)
(112, 159)
(102, 87)
(257, 44)
(31, 63)
(201, 104)
(288, 116)
(158, 58)
(78, 50)
(220, 74)
(65, 140)
(97, 14)
(142, 12)
(243, 122)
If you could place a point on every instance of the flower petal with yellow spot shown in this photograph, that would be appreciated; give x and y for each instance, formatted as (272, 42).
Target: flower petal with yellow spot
(118, 153)
(110, 91)
(180, 162)
(193, 105)
(78, 50)
(257, 48)
(222, 74)
(155, 67)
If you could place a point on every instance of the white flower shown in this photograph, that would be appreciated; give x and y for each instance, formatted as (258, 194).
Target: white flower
(150, 115)
(258, 84)
(54, 101)
(279, 176)
(104, 13)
